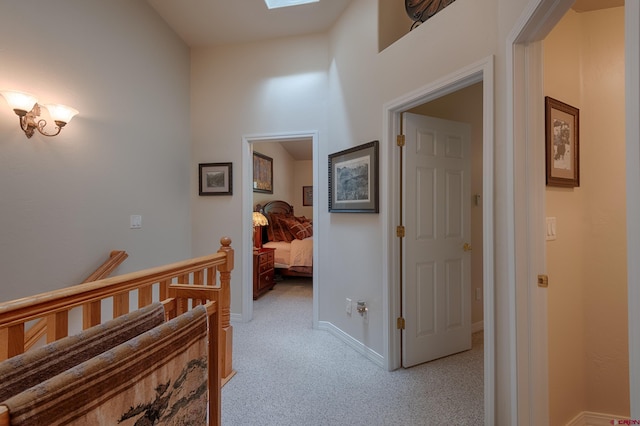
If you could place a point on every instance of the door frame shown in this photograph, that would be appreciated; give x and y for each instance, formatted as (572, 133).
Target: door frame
(524, 166)
(247, 209)
(632, 88)
(481, 71)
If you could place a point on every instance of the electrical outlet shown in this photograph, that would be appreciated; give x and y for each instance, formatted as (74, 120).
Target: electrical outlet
(478, 293)
(348, 306)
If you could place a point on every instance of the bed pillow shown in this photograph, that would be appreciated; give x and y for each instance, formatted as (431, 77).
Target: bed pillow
(278, 229)
(301, 228)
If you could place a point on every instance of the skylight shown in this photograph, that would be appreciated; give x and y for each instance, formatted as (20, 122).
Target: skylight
(274, 4)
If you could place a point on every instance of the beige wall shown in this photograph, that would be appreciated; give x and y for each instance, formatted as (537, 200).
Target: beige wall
(588, 358)
(65, 201)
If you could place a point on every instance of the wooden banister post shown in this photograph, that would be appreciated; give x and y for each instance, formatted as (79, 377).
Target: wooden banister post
(57, 326)
(226, 341)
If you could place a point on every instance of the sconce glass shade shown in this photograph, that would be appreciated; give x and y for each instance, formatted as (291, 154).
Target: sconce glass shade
(61, 113)
(19, 100)
(259, 219)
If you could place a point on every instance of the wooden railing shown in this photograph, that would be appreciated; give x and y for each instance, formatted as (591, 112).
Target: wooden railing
(39, 329)
(211, 271)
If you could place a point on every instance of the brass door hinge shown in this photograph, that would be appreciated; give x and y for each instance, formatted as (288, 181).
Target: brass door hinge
(400, 323)
(400, 231)
(400, 140)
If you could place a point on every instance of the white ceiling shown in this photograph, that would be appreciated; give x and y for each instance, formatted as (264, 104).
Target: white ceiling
(215, 22)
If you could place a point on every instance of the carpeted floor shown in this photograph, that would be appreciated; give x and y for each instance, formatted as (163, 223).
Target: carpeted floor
(290, 374)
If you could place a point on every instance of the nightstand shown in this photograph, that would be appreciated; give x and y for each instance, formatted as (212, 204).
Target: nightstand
(263, 271)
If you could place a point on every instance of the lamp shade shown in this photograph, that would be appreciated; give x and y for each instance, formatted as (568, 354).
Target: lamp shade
(61, 112)
(259, 219)
(19, 100)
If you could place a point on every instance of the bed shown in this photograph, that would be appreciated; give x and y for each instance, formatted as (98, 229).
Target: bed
(290, 236)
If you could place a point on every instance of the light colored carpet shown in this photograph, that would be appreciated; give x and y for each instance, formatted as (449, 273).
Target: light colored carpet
(290, 374)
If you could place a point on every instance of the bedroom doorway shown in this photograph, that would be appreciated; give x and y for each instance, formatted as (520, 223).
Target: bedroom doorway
(291, 155)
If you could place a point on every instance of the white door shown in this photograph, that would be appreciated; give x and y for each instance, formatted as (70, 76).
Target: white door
(437, 284)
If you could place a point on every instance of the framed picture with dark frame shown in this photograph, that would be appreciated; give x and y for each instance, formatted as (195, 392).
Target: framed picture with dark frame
(215, 178)
(353, 180)
(562, 137)
(307, 195)
(262, 173)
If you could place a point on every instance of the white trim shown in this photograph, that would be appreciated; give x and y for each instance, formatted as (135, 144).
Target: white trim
(525, 206)
(247, 208)
(482, 70)
(359, 347)
(587, 418)
(632, 90)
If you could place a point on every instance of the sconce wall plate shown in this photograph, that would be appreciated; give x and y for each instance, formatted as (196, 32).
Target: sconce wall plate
(28, 110)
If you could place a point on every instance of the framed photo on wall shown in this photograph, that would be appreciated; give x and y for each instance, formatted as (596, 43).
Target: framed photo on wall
(353, 180)
(262, 173)
(215, 178)
(562, 137)
(307, 195)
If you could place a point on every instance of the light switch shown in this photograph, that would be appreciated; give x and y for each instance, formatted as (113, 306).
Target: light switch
(135, 221)
(551, 229)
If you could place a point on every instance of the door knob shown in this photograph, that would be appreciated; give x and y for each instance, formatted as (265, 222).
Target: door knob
(466, 247)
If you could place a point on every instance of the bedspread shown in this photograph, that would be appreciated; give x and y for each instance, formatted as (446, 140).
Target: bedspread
(302, 252)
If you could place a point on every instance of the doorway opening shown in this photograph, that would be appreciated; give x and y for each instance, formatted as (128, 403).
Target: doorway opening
(526, 166)
(272, 144)
(478, 73)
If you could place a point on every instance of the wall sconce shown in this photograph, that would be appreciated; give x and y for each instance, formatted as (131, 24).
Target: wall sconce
(259, 220)
(27, 109)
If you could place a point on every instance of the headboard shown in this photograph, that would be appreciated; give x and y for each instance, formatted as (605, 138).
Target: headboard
(276, 206)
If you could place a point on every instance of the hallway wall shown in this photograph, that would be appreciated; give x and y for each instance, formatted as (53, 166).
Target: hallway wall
(66, 200)
(588, 351)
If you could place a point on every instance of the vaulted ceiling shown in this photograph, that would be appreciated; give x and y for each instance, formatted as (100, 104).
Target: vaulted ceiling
(202, 23)
(214, 22)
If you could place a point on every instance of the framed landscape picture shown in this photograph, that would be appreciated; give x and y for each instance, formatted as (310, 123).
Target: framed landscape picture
(562, 137)
(353, 180)
(215, 179)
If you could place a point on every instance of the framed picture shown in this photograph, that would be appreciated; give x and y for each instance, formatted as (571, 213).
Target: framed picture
(562, 135)
(307, 195)
(262, 173)
(215, 179)
(353, 180)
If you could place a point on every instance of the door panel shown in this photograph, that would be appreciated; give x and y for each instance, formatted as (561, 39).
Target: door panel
(437, 282)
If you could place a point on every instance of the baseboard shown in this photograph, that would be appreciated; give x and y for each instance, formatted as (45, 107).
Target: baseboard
(370, 354)
(477, 326)
(236, 317)
(587, 418)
